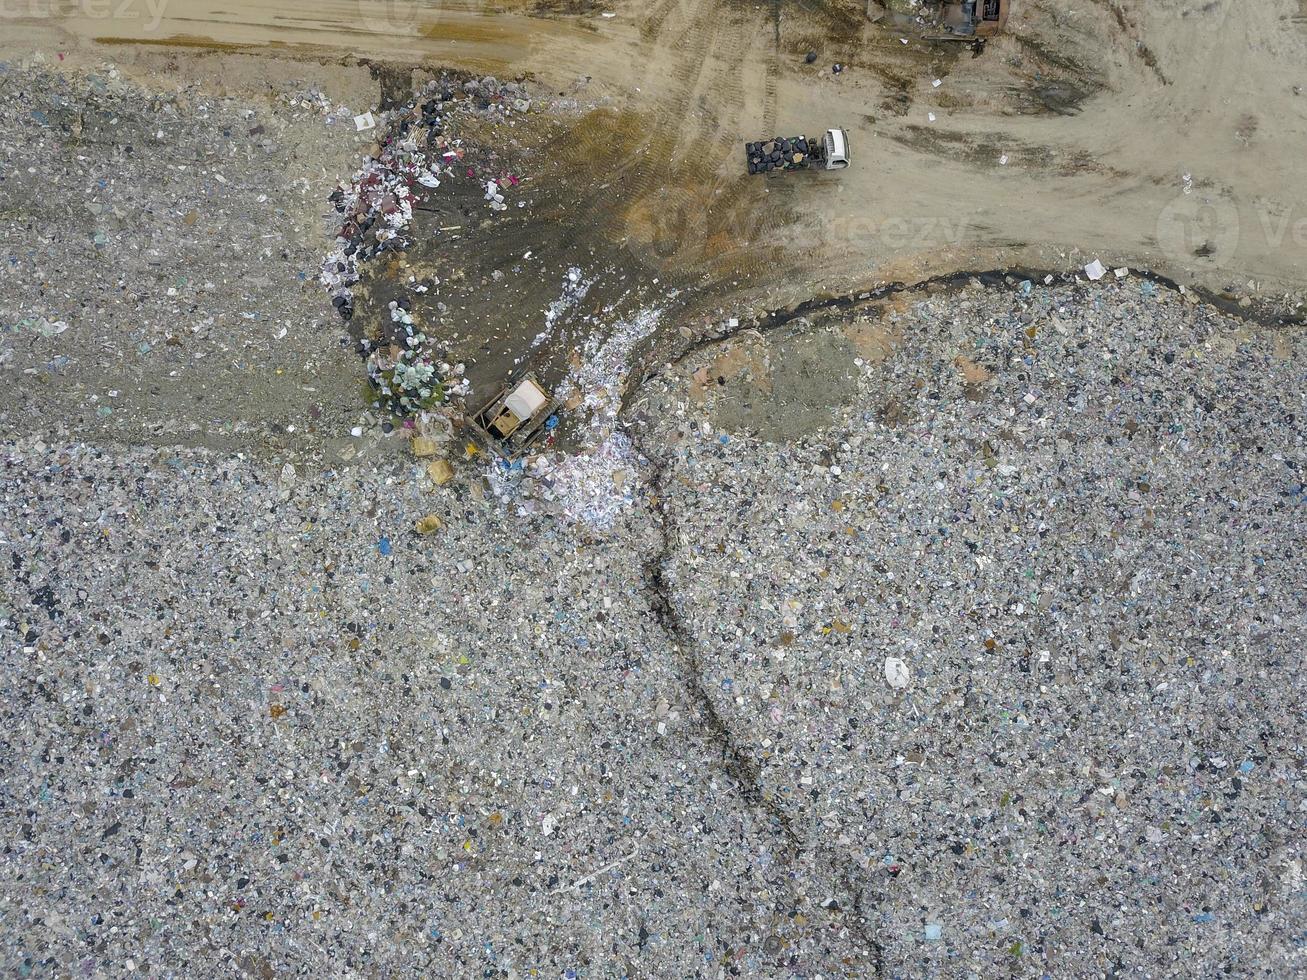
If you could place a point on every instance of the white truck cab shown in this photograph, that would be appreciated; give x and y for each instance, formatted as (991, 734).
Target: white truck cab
(836, 143)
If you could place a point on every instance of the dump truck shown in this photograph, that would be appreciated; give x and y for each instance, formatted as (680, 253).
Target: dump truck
(519, 415)
(780, 153)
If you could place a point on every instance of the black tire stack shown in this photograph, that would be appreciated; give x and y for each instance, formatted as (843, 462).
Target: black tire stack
(778, 153)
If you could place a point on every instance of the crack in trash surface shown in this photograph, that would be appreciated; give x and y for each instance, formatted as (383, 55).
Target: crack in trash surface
(683, 655)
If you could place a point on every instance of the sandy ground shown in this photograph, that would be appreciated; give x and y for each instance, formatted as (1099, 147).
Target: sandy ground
(1101, 112)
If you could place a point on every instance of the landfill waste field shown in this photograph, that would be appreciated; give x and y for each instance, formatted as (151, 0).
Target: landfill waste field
(689, 489)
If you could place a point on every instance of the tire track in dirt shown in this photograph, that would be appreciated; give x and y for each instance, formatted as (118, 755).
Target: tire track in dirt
(1139, 49)
(769, 99)
(672, 178)
(771, 72)
(744, 226)
(694, 46)
(651, 26)
(752, 76)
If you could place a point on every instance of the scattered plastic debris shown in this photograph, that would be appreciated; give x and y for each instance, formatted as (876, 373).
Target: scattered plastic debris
(574, 290)
(597, 382)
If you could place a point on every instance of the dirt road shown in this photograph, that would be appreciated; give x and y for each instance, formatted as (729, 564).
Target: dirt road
(1160, 135)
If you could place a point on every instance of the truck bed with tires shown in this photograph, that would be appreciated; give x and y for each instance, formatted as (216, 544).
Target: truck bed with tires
(781, 153)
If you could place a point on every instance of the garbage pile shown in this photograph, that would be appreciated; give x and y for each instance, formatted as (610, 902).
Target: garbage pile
(314, 100)
(980, 558)
(377, 206)
(375, 212)
(489, 97)
(408, 374)
(595, 488)
(780, 153)
(598, 378)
